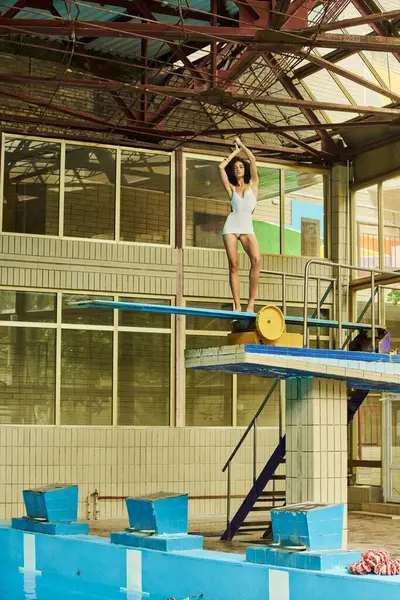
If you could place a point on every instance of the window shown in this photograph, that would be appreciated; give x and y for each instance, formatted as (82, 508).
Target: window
(207, 204)
(144, 365)
(145, 197)
(103, 360)
(366, 234)
(31, 186)
(304, 210)
(304, 214)
(86, 377)
(89, 192)
(208, 394)
(391, 223)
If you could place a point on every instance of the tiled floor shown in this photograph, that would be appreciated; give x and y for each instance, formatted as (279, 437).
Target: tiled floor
(364, 533)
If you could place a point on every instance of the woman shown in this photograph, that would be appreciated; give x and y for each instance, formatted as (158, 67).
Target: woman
(240, 179)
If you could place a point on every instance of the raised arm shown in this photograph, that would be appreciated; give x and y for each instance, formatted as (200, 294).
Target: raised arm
(224, 177)
(252, 161)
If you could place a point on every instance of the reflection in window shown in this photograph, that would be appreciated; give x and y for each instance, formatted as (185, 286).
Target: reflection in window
(143, 378)
(27, 375)
(266, 217)
(208, 394)
(132, 318)
(145, 197)
(31, 186)
(207, 204)
(391, 223)
(89, 192)
(27, 306)
(86, 316)
(304, 214)
(208, 323)
(366, 208)
(86, 377)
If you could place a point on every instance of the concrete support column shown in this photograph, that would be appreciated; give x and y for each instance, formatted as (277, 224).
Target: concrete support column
(316, 441)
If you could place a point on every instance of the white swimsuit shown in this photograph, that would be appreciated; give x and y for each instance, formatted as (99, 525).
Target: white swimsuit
(240, 220)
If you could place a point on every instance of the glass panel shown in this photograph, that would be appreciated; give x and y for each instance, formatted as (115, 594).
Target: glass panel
(89, 193)
(31, 186)
(209, 323)
(251, 392)
(86, 316)
(86, 377)
(143, 378)
(208, 394)
(266, 216)
(27, 375)
(366, 206)
(304, 214)
(395, 453)
(27, 306)
(392, 316)
(391, 222)
(207, 204)
(145, 197)
(129, 318)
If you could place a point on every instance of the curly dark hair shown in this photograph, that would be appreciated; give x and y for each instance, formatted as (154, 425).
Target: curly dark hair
(229, 170)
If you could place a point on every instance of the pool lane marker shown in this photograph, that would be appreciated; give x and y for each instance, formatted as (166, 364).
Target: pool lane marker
(133, 587)
(29, 545)
(279, 585)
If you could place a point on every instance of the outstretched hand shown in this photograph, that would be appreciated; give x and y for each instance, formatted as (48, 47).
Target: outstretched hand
(238, 142)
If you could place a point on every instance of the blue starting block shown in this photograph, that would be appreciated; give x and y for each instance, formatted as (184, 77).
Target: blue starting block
(159, 522)
(310, 526)
(52, 509)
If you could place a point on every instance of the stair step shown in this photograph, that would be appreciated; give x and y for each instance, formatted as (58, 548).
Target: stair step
(271, 493)
(250, 529)
(366, 513)
(274, 499)
(278, 477)
(263, 508)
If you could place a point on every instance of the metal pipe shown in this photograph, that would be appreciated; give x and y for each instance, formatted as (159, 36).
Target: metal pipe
(373, 310)
(334, 307)
(284, 293)
(254, 452)
(240, 442)
(339, 287)
(318, 311)
(305, 311)
(228, 497)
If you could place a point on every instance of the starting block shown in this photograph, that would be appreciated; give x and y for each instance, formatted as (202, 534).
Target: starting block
(160, 522)
(52, 509)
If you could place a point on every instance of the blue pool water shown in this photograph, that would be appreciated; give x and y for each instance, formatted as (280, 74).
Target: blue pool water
(27, 586)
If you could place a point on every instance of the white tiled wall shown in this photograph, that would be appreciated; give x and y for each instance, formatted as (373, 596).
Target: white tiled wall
(128, 461)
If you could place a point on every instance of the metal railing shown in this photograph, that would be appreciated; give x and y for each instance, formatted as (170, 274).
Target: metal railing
(252, 425)
(317, 278)
(340, 267)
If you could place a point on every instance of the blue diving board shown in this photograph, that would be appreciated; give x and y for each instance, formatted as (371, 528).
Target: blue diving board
(209, 312)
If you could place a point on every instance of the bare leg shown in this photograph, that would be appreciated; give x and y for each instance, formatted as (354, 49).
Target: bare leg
(250, 246)
(231, 247)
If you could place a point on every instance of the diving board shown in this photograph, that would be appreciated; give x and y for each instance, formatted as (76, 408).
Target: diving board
(210, 313)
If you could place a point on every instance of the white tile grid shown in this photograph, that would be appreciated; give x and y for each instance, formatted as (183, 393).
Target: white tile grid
(128, 461)
(316, 442)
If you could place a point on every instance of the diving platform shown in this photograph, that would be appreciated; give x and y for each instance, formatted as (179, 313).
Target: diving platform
(361, 370)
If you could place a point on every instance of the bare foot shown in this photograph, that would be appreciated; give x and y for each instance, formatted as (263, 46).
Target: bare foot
(238, 308)
(250, 307)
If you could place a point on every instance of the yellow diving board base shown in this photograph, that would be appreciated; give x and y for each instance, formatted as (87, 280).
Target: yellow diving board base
(289, 340)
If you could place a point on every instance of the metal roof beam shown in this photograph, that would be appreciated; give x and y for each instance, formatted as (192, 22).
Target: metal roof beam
(367, 19)
(293, 92)
(326, 64)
